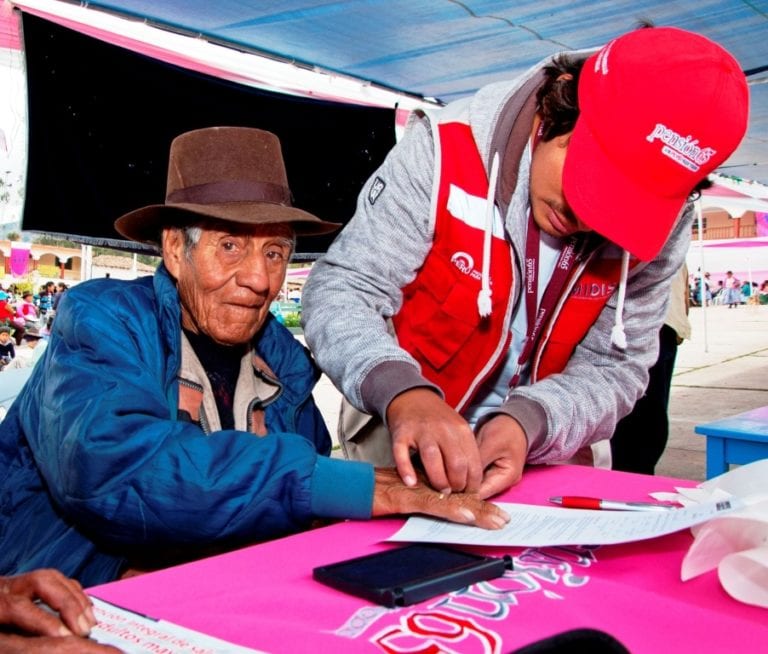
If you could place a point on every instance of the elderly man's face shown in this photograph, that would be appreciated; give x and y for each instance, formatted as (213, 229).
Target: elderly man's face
(227, 280)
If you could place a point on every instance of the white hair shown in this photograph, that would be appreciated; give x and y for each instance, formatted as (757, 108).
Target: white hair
(192, 234)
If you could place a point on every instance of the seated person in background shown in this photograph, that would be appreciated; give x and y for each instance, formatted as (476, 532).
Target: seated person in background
(26, 315)
(31, 350)
(7, 311)
(27, 308)
(26, 627)
(762, 292)
(7, 347)
(178, 420)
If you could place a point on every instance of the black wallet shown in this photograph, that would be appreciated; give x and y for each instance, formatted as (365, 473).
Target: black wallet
(410, 574)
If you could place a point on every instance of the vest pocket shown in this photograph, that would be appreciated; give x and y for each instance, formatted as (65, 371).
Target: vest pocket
(440, 329)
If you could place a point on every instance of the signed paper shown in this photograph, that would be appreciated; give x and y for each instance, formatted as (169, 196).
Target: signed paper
(541, 526)
(137, 634)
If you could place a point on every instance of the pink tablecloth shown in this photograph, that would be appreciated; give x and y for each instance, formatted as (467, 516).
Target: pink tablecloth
(264, 596)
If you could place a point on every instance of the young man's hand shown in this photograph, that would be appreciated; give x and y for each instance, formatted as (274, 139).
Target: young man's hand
(420, 421)
(503, 451)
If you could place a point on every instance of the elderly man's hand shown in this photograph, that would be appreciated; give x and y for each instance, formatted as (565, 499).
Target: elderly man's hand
(420, 420)
(52, 633)
(13, 644)
(503, 450)
(392, 496)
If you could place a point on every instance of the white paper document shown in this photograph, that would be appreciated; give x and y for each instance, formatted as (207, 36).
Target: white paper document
(541, 526)
(133, 633)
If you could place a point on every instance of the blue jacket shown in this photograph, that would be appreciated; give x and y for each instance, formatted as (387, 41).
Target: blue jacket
(96, 469)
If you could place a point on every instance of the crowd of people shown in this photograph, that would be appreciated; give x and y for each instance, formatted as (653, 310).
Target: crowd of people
(26, 319)
(485, 308)
(728, 291)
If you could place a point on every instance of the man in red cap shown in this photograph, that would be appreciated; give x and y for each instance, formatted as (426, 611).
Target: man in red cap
(519, 245)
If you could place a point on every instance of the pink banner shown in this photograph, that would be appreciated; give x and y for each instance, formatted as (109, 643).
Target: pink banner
(20, 259)
(761, 221)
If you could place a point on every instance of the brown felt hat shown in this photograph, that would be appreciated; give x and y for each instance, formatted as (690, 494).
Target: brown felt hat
(235, 174)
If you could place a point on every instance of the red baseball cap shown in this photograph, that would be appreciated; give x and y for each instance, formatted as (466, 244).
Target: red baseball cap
(660, 109)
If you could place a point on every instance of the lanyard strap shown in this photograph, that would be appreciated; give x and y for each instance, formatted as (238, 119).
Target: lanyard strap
(537, 314)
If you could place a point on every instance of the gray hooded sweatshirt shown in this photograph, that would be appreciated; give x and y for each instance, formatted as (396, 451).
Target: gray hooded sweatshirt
(356, 286)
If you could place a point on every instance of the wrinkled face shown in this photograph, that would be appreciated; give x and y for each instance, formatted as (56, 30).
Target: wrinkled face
(551, 211)
(227, 280)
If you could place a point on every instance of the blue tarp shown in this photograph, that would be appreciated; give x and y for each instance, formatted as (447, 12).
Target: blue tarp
(446, 49)
(101, 115)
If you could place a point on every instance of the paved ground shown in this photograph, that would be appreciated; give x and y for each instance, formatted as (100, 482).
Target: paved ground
(721, 371)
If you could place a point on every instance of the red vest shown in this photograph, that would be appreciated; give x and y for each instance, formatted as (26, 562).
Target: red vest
(439, 323)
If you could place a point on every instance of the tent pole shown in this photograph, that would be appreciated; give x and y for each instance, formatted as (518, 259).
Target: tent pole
(702, 293)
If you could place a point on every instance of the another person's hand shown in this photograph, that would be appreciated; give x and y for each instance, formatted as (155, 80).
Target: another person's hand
(61, 633)
(391, 497)
(420, 420)
(503, 450)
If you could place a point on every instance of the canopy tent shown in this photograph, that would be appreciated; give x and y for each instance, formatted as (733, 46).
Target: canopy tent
(746, 258)
(298, 274)
(377, 53)
(734, 197)
(739, 244)
(737, 255)
(733, 205)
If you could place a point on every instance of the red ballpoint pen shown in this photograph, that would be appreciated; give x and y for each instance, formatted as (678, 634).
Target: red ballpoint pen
(577, 502)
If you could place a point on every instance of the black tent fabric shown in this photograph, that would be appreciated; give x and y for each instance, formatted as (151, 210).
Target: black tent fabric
(101, 119)
(437, 49)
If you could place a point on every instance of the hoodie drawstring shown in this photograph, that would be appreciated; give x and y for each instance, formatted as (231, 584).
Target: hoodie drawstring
(484, 296)
(618, 337)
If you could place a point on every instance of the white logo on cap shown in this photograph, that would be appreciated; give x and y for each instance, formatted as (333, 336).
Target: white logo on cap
(601, 62)
(684, 150)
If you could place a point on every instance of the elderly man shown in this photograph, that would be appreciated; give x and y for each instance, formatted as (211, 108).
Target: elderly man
(173, 416)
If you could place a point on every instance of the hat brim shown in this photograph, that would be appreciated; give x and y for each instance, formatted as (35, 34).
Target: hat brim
(145, 225)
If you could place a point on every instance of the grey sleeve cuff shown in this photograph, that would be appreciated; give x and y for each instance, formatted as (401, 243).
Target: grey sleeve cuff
(387, 380)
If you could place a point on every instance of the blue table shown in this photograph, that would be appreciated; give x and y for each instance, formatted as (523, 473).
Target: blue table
(739, 439)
